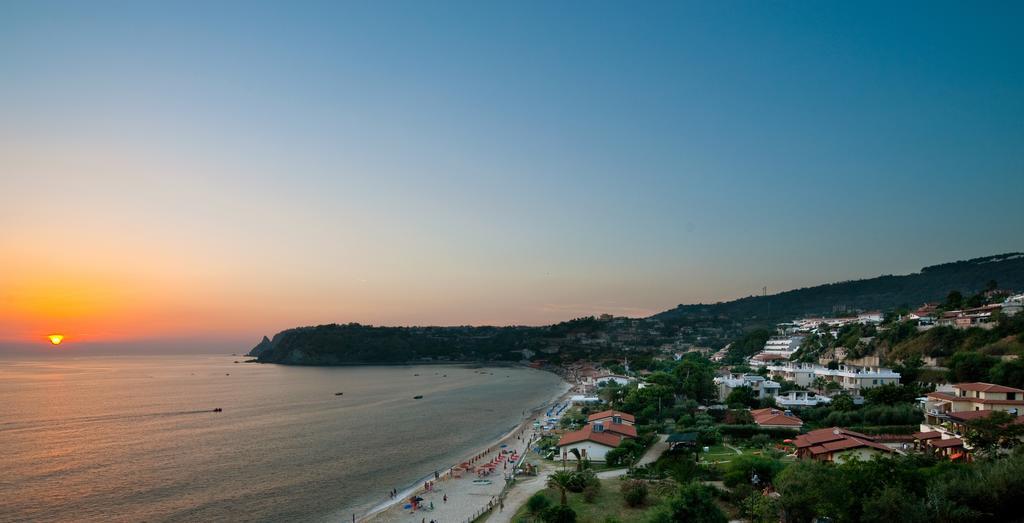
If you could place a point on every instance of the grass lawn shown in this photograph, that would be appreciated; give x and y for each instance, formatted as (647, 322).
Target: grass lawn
(609, 505)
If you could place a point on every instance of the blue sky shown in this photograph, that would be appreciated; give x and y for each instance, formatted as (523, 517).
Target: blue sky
(467, 163)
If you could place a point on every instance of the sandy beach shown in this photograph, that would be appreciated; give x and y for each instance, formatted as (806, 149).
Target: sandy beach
(466, 499)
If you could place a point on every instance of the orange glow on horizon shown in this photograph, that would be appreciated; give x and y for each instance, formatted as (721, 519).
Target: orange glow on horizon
(56, 339)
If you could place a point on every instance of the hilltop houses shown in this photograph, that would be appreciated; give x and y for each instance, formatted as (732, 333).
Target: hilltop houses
(796, 399)
(851, 378)
(947, 413)
(762, 387)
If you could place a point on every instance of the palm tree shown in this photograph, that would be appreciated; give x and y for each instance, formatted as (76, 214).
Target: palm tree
(561, 480)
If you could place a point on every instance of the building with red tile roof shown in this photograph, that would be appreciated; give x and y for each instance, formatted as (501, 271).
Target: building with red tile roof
(612, 416)
(838, 445)
(948, 412)
(595, 439)
(775, 418)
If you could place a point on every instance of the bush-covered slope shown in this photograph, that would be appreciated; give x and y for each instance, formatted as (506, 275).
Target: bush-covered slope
(884, 292)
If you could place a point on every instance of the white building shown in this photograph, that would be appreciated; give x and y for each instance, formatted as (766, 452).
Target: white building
(796, 399)
(875, 317)
(601, 381)
(850, 378)
(782, 345)
(762, 387)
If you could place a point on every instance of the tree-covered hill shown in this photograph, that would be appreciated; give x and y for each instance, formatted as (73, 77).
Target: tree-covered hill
(354, 344)
(884, 292)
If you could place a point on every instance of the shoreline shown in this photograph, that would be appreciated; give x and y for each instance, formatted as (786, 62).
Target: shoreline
(525, 423)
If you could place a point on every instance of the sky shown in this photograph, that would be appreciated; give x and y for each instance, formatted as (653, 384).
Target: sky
(187, 174)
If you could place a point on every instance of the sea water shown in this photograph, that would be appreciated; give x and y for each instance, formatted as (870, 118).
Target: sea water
(136, 439)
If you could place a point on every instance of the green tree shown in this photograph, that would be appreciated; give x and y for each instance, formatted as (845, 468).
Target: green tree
(969, 366)
(1009, 373)
(693, 503)
(558, 514)
(745, 468)
(909, 369)
(990, 434)
(890, 394)
(634, 492)
(741, 397)
(842, 403)
(561, 481)
(537, 503)
(759, 508)
(954, 300)
(697, 376)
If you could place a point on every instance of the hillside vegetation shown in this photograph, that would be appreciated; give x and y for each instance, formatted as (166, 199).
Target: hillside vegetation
(884, 292)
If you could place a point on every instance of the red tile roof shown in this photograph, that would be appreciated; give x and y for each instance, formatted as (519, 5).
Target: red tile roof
(607, 439)
(946, 443)
(622, 429)
(598, 416)
(986, 387)
(969, 415)
(775, 417)
(927, 435)
(949, 397)
(827, 441)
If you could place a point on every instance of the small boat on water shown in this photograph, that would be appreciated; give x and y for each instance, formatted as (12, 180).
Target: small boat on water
(417, 397)
(338, 393)
(218, 409)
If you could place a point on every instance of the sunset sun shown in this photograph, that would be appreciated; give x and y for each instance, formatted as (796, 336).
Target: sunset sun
(56, 338)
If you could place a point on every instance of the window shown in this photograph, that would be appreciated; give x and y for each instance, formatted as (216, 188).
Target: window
(1011, 395)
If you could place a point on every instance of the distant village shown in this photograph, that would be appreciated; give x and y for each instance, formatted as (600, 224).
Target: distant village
(799, 396)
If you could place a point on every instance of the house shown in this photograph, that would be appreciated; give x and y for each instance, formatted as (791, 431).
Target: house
(874, 317)
(850, 378)
(592, 442)
(838, 445)
(606, 379)
(580, 399)
(762, 387)
(782, 345)
(604, 432)
(610, 417)
(764, 359)
(775, 418)
(621, 429)
(1013, 305)
(795, 399)
(947, 413)
(975, 396)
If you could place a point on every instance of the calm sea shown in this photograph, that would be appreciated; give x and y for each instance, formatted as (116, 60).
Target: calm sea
(135, 438)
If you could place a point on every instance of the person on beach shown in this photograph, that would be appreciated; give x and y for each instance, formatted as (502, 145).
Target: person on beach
(446, 498)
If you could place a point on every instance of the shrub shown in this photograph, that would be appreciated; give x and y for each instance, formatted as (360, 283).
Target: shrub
(537, 503)
(558, 514)
(760, 440)
(590, 492)
(634, 493)
(742, 469)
